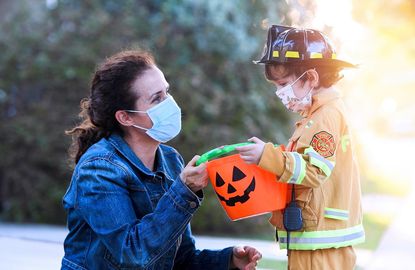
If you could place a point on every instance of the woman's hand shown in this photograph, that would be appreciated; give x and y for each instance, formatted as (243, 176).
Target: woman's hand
(245, 258)
(252, 153)
(196, 178)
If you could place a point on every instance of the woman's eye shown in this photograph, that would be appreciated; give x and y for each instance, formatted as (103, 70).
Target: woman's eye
(157, 99)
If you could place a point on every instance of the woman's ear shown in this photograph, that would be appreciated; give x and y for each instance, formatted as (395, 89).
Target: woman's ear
(124, 118)
(313, 77)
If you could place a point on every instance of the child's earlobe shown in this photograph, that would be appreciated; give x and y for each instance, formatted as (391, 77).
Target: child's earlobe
(314, 77)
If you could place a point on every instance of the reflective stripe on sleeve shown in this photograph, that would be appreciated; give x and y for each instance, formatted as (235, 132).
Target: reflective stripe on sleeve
(323, 239)
(336, 213)
(299, 168)
(319, 161)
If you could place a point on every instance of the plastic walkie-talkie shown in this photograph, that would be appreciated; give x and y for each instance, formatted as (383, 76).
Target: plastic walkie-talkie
(292, 218)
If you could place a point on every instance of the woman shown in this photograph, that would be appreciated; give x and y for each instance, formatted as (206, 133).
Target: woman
(130, 200)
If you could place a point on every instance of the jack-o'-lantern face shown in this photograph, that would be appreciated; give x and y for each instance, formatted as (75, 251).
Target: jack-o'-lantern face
(229, 187)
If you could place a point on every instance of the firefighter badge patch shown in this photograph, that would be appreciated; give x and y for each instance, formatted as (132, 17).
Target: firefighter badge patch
(323, 143)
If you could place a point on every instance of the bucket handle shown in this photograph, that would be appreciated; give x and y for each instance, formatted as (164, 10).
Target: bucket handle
(219, 151)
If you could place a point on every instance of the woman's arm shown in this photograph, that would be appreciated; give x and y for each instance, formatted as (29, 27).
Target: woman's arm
(188, 257)
(103, 200)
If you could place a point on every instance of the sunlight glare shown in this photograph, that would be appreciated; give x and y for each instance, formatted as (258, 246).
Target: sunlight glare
(379, 91)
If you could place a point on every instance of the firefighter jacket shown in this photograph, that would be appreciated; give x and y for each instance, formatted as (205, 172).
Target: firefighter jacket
(322, 165)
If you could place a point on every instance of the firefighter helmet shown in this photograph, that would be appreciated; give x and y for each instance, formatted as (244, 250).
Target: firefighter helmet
(296, 45)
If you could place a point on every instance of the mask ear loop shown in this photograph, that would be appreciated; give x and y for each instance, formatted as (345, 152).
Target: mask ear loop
(311, 89)
(136, 126)
(134, 111)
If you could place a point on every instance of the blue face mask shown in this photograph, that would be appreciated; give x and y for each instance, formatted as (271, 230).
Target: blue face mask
(167, 120)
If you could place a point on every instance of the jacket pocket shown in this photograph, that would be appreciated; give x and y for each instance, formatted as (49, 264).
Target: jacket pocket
(305, 198)
(68, 264)
(113, 264)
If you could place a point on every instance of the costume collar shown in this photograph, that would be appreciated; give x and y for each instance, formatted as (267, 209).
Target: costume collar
(121, 145)
(319, 99)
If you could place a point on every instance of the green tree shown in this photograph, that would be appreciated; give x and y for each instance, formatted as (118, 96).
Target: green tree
(49, 50)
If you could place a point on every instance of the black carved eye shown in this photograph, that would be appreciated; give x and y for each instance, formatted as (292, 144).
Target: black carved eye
(237, 174)
(219, 180)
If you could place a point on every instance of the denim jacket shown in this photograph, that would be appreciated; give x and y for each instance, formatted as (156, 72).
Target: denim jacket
(121, 215)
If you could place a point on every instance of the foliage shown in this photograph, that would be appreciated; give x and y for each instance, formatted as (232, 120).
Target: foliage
(272, 264)
(49, 50)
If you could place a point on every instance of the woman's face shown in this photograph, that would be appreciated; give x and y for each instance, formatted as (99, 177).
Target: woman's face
(151, 88)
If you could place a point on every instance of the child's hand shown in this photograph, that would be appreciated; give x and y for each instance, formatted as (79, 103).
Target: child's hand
(252, 153)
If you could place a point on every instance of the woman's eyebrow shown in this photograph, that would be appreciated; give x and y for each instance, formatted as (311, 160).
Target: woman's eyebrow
(155, 94)
(159, 92)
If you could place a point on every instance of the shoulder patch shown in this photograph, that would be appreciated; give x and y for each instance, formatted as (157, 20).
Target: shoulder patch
(323, 143)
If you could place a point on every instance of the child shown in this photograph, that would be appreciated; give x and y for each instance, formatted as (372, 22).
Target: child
(319, 160)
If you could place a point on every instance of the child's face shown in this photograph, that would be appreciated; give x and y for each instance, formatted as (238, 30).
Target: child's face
(301, 88)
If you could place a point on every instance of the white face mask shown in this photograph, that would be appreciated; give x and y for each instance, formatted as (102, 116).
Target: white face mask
(167, 120)
(291, 101)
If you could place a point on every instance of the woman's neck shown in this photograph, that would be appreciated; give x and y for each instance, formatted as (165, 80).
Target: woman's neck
(144, 148)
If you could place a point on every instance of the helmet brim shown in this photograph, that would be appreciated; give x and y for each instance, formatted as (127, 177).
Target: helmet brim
(335, 63)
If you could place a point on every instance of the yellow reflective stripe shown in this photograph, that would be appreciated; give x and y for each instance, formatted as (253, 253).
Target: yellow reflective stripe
(336, 213)
(275, 53)
(299, 168)
(316, 55)
(345, 141)
(309, 124)
(292, 54)
(319, 161)
(323, 239)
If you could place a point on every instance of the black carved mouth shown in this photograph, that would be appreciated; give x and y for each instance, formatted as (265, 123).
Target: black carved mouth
(241, 199)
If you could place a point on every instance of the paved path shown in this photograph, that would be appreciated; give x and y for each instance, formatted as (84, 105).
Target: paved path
(397, 247)
(39, 247)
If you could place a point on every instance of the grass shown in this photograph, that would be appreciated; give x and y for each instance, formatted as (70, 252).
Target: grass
(272, 264)
(279, 265)
(375, 225)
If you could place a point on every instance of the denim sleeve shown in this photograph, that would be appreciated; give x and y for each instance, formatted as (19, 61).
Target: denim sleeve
(103, 201)
(188, 257)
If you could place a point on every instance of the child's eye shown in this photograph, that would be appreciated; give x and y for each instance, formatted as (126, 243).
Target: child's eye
(280, 85)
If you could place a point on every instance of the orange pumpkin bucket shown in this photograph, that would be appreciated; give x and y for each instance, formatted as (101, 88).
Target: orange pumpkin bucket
(244, 190)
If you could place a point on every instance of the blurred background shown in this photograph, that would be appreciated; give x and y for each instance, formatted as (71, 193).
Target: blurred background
(49, 49)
